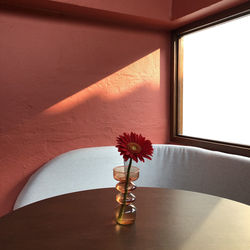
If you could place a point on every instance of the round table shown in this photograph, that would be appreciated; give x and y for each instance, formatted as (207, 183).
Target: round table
(166, 219)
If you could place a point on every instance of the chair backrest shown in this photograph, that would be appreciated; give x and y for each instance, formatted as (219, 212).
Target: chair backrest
(196, 169)
(176, 167)
(81, 169)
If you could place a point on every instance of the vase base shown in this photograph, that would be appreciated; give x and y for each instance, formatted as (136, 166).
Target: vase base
(125, 215)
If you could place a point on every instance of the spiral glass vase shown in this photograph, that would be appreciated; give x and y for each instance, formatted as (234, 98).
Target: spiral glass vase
(125, 212)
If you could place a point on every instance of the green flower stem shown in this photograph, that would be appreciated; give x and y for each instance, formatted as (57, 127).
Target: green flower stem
(126, 191)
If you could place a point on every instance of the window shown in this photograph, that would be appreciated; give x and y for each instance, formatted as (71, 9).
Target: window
(211, 83)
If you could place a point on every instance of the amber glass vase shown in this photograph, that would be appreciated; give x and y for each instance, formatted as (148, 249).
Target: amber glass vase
(125, 212)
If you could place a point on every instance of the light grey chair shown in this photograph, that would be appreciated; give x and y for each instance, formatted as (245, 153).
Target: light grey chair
(176, 167)
(199, 170)
(76, 170)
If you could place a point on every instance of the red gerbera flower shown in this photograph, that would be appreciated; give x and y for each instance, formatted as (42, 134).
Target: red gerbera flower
(134, 146)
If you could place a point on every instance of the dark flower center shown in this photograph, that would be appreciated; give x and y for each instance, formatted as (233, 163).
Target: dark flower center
(134, 147)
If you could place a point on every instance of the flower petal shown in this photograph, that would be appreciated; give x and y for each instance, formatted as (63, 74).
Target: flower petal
(122, 145)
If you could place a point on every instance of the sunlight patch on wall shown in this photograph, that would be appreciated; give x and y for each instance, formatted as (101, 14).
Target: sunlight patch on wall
(143, 72)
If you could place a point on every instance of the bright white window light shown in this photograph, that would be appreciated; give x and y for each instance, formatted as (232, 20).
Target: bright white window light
(216, 82)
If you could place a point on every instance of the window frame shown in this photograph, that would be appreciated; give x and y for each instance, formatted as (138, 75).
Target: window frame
(176, 83)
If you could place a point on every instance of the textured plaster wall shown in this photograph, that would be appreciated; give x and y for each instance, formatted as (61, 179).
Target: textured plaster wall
(66, 85)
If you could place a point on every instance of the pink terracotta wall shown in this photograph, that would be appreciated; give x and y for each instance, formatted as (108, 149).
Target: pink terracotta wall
(66, 85)
(183, 7)
(160, 9)
(171, 13)
(200, 8)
